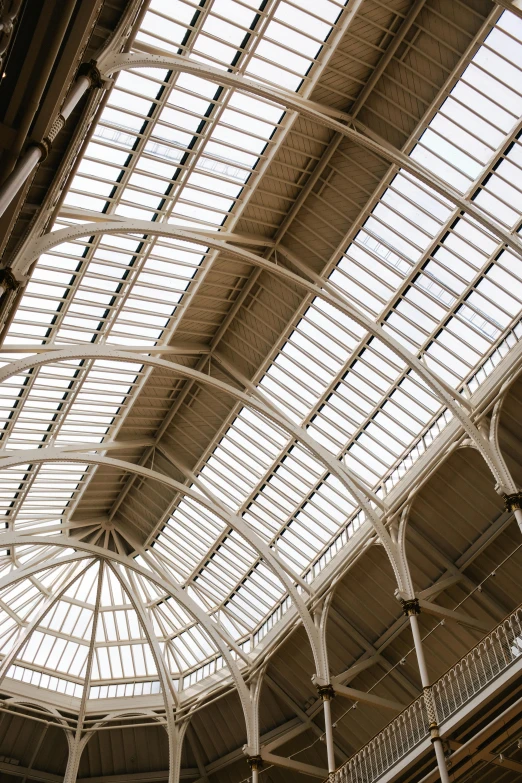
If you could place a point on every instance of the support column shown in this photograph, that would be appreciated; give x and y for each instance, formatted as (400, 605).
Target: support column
(411, 609)
(78, 742)
(88, 76)
(255, 763)
(326, 692)
(514, 503)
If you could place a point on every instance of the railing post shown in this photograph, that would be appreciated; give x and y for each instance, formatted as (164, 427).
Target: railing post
(411, 609)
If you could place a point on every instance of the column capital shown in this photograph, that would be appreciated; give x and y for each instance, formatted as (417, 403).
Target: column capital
(255, 762)
(8, 280)
(92, 72)
(513, 502)
(410, 606)
(326, 692)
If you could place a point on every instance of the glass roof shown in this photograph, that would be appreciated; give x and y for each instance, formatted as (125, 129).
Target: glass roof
(174, 148)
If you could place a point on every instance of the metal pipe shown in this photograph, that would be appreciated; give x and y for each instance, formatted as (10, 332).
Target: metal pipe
(428, 697)
(32, 104)
(419, 650)
(79, 88)
(36, 152)
(330, 753)
(26, 164)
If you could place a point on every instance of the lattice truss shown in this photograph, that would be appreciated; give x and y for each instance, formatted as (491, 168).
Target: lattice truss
(177, 149)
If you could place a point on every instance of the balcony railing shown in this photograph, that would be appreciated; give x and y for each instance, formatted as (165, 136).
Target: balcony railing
(492, 656)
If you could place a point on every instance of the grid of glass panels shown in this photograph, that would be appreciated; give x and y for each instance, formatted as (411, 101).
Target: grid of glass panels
(436, 281)
(174, 148)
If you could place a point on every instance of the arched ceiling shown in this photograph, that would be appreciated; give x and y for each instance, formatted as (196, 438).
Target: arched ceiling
(438, 81)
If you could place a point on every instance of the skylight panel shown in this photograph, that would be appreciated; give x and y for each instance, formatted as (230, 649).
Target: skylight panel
(176, 148)
(397, 236)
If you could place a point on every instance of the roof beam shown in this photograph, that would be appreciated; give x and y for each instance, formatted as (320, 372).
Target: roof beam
(424, 544)
(324, 115)
(294, 766)
(439, 586)
(305, 716)
(450, 614)
(181, 349)
(353, 694)
(357, 668)
(375, 650)
(515, 6)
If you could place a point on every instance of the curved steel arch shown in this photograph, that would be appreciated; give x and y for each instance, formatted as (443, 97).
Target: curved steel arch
(10, 539)
(175, 734)
(445, 394)
(26, 572)
(323, 115)
(54, 454)
(47, 242)
(61, 722)
(334, 466)
(41, 613)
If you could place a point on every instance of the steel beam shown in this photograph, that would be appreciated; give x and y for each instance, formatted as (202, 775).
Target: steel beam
(294, 766)
(449, 614)
(353, 694)
(328, 117)
(321, 288)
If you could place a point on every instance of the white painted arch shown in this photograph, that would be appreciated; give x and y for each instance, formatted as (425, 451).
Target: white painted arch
(448, 396)
(336, 120)
(83, 549)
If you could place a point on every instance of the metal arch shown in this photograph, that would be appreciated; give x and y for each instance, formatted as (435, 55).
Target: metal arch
(26, 572)
(169, 698)
(11, 539)
(125, 713)
(320, 289)
(137, 605)
(47, 242)
(128, 713)
(323, 115)
(61, 722)
(334, 466)
(449, 397)
(361, 493)
(48, 604)
(272, 560)
(77, 745)
(55, 454)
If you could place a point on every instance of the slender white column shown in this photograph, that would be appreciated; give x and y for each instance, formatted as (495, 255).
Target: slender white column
(255, 763)
(329, 732)
(411, 609)
(25, 165)
(36, 152)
